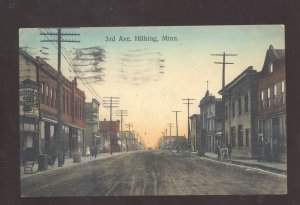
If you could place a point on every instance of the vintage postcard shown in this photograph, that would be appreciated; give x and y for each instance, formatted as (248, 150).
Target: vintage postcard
(152, 111)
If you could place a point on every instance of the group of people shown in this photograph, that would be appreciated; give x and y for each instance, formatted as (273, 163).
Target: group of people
(92, 152)
(224, 152)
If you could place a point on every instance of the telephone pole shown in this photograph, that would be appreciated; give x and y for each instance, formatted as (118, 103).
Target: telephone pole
(170, 126)
(58, 127)
(111, 102)
(188, 103)
(223, 84)
(128, 125)
(176, 111)
(122, 113)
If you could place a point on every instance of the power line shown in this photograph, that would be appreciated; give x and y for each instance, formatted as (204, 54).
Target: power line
(170, 126)
(70, 61)
(176, 111)
(58, 126)
(223, 83)
(188, 107)
(122, 113)
(223, 63)
(111, 103)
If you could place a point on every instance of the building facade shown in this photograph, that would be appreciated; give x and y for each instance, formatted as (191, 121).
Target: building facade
(211, 123)
(195, 132)
(29, 107)
(92, 135)
(174, 143)
(104, 128)
(271, 98)
(38, 110)
(239, 98)
(72, 111)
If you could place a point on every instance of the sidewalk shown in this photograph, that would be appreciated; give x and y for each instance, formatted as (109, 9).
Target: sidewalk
(280, 168)
(68, 163)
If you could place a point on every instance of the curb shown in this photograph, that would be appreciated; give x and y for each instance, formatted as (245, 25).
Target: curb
(270, 169)
(259, 166)
(68, 166)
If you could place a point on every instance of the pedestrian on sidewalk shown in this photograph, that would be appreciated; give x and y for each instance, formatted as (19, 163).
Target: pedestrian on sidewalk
(95, 151)
(88, 153)
(219, 152)
(229, 150)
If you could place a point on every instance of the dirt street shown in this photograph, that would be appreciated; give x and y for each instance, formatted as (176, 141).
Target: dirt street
(153, 173)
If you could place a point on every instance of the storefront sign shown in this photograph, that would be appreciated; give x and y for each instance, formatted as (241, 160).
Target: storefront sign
(29, 97)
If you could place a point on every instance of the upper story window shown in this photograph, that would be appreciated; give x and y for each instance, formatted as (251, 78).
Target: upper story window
(233, 109)
(240, 106)
(246, 103)
(50, 92)
(275, 93)
(42, 88)
(47, 93)
(262, 103)
(282, 91)
(271, 68)
(268, 98)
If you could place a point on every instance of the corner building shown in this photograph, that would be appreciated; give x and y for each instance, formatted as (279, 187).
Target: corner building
(271, 98)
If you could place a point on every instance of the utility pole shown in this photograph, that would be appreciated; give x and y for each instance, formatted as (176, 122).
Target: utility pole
(176, 111)
(188, 103)
(122, 113)
(112, 102)
(59, 143)
(223, 85)
(128, 125)
(170, 126)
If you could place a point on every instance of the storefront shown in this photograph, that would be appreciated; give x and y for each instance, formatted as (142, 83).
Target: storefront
(29, 120)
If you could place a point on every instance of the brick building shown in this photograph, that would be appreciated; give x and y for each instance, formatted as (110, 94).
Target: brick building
(38, 113)
(104, 129)
(72, 106)
(271, 97)
(239, 98)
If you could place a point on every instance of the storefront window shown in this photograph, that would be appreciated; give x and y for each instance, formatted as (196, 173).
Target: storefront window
(42, 129)
(29, 126)
(29, 141)
(51, 130)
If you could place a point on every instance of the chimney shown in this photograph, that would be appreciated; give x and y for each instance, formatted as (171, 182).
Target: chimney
(75, 81)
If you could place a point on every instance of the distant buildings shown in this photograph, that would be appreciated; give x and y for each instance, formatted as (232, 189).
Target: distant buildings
(211, 123)
(195, 131)
(110, 134)
(92, 135)
(129, 141)
(172, 143)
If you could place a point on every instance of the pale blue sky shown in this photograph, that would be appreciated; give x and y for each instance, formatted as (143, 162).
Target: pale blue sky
(150, 96)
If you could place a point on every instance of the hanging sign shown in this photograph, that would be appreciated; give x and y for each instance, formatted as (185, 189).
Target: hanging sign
(29, 96)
